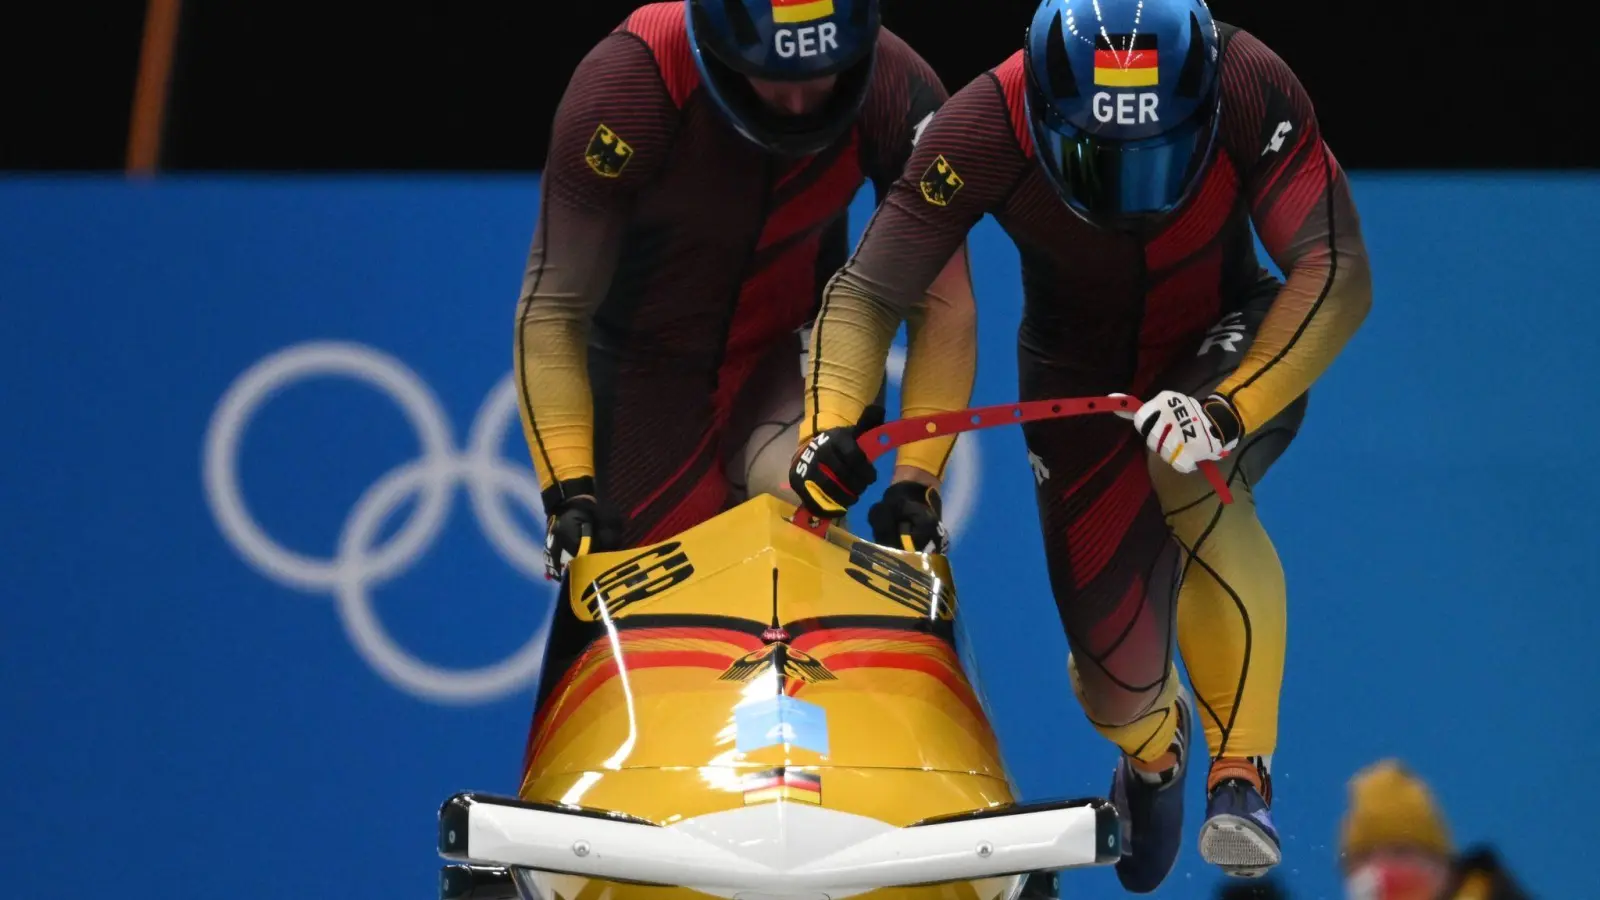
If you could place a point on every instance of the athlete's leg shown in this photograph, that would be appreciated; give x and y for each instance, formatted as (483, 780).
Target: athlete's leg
(764, 431)
(657, 441)
(1232, 622)
(765, 428)
(1231, 607)
(1113, 568)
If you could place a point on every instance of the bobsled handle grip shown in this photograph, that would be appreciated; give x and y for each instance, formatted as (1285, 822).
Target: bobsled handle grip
(888, 436)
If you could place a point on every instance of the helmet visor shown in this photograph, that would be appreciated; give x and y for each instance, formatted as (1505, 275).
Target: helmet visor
(1111, 179)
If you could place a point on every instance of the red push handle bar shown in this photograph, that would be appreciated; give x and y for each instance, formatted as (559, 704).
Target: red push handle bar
(888, 436)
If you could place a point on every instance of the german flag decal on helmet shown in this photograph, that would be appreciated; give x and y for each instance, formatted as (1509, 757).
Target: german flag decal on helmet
(1126, 60)
(794, 12)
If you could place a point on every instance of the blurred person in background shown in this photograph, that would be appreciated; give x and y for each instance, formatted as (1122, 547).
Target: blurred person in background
(1127, 150)
(693, 204)
(1395, 844)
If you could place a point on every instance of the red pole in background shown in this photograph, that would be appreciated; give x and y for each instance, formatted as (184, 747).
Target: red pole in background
(153, 86)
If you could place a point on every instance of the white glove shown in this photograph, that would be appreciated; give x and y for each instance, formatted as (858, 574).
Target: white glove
(1177, 428)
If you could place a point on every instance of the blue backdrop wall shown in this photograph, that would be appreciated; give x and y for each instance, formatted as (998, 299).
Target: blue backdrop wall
(270, 533)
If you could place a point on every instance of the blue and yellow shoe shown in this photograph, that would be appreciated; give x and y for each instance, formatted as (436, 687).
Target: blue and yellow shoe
(1151, 807)
(1238, 835)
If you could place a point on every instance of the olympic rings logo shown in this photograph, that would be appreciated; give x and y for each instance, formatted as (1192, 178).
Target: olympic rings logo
(360, 564)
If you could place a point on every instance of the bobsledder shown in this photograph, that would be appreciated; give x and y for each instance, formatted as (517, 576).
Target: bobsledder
(767, 706)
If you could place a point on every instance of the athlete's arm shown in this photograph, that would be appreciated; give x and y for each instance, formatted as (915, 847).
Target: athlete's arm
(1302, 208)
(941, 329)
(965, 163)
(611, 133)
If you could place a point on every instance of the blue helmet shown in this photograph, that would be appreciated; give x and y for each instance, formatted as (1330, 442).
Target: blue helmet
(785, 40)
(1123, 101)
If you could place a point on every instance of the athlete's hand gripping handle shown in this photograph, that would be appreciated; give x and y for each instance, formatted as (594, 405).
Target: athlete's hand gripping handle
(578, 526)
(1186, 432)
(910, 516)
(830, 472)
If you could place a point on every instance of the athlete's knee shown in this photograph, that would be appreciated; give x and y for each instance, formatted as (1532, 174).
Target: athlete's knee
(1111, 701)
(1117, 707)
(766, 457)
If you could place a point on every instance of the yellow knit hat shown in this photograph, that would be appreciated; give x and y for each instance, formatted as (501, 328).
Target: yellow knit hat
(1392, 808)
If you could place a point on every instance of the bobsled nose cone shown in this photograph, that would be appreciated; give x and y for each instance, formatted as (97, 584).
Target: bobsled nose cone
(785, 836)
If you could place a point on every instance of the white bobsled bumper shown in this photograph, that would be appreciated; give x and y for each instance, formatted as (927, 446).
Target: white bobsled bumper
(778, 849)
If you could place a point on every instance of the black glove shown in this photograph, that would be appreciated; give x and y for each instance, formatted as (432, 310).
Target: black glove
(908, 518)
(575, 527)
(831, 470)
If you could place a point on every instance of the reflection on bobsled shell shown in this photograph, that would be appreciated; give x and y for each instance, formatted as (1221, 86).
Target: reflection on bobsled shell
(752, 710)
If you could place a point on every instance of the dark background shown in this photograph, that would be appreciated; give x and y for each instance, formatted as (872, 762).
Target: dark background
(351, 85)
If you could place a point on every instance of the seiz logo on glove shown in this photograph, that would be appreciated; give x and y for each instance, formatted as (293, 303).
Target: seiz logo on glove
(1184, 431)
(831, 470)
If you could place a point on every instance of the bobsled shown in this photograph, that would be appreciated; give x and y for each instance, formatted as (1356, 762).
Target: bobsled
(769, 707)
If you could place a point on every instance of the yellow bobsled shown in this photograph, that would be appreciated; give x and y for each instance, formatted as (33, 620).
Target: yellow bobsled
(765, 708)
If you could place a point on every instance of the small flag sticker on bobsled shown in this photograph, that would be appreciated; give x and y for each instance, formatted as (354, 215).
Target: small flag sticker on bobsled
(782, 784)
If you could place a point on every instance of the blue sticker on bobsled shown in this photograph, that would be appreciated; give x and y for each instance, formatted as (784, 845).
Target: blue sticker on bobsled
(781, 720)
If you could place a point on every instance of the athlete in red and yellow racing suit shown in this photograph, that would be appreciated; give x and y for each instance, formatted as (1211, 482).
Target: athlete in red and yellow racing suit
(693, 204)
(1127, 151)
